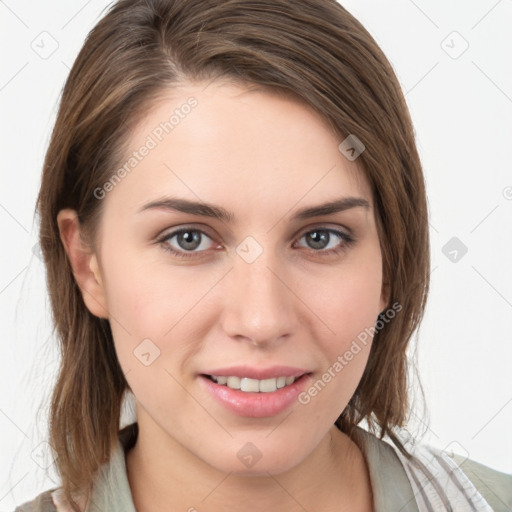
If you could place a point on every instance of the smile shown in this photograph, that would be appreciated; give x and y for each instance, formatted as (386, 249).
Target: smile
(249, 385)
(255, 393)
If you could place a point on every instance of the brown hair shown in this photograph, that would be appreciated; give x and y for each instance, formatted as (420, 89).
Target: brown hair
(312, 49)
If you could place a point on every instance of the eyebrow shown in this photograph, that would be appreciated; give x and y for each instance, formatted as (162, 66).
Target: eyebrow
(220, 213)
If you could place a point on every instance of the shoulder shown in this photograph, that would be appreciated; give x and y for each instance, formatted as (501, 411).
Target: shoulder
(494, 486)
(111, 476)
(41, 503)
(438, 477)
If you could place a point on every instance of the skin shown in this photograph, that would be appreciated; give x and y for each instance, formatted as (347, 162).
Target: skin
(262, 157)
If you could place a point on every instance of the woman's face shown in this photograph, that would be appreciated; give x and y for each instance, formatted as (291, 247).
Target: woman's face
(251, 290)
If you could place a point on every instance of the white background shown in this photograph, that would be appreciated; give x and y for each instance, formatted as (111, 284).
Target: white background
(461, 108)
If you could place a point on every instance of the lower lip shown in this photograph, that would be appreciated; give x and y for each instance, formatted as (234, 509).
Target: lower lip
(256, 405)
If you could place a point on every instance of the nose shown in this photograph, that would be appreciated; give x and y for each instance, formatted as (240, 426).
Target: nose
(259, 302)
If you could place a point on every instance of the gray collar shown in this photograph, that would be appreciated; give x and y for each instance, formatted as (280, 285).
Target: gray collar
(390, 484)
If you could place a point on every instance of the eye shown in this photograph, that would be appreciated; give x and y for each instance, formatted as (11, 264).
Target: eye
(327, 241)
(188, 242)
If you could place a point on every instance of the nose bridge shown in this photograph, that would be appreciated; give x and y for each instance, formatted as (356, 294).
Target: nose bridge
(259, 305)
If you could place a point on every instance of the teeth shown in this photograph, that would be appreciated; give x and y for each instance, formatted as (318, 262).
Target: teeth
(233, 382)
(250, 385)
(289, 380)
(222, 380)
(254, 385)
(267, 385)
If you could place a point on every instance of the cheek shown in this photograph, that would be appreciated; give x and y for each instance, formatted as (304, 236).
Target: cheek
(349, 302)
(143, 294)
(348, 306)
(350, 312)
(153, 338)
(157, 314)
(141, 304)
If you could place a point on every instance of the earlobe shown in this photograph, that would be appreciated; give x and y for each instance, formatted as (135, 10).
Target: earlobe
(95, 269)
(84, 263)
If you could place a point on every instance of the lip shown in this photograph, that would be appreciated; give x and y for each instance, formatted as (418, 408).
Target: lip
(257, 405)
(257, 373)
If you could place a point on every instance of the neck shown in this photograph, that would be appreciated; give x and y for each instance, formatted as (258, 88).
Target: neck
(333, 477)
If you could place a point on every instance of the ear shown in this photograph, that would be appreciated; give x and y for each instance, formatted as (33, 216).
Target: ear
(84, 263)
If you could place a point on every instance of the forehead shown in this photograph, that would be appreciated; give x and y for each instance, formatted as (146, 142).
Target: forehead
(246, 148)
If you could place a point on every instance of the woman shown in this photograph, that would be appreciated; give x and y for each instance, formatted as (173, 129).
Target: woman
(234, 224)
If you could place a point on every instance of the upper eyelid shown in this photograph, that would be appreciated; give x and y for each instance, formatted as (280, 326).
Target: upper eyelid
(167, 234)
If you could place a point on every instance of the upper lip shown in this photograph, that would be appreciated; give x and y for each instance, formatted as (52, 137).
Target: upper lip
(258, 373)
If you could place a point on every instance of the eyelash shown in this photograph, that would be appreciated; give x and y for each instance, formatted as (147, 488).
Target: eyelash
(347, 240)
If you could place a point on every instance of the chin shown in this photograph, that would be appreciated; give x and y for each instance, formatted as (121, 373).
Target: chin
(248, 460)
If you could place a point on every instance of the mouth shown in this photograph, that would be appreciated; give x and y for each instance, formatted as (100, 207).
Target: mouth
(248, 385)
(256, 393)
